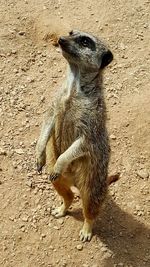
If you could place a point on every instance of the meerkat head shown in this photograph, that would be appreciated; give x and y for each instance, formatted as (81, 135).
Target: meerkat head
(85, 50)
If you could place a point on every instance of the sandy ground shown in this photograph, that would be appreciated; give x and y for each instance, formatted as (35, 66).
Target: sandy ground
(31, 72)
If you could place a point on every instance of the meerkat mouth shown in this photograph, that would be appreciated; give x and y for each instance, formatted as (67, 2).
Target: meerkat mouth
(66, 47)
(63, 45)
(62, 42)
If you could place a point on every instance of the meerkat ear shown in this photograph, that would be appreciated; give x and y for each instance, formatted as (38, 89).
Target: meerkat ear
(106, 58)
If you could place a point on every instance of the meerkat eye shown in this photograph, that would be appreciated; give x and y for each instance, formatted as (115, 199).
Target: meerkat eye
(87, 42)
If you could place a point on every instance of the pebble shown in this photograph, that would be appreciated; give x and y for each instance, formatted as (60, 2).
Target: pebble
(60, 221)
(3, 152)
(29, 183)
(143, 174)
(113, 137)
(19, 151)
(64, 264)
(11, 218)
(42, 98)
(30, 174)
(25, 218)
(21, 33)
(43, 235)
(104, 249)
(57, 227)
(107, 255)
(79, 247)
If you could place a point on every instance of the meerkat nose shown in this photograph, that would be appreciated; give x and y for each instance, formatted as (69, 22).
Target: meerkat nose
(62, 40)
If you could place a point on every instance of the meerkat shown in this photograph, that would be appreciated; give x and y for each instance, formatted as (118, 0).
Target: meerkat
(74, 141)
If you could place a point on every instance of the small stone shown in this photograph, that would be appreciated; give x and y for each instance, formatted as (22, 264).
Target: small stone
(113, 137)
(140, 213)
(137, 207)
(43, 235)
(11, 218)
(15, 71)
(104, 249)
(107, 255)
(79, 247)
(14, 165)
(29, 183)
(30, 79)
(19, 151)
(23, 229)
(24, 218)
(61, 221)
(21, 33)
(64, 264)
(57, 227)
(143, 174)
(30, 174)
(14, 51)
(4, 248)
(42, 98)
(3, 152)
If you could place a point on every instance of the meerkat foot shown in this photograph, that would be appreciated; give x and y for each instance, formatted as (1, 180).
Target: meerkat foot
(53, 176)
(59, 211)
(86, 232)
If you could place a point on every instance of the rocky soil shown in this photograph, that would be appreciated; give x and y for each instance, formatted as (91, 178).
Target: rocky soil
(31, 73)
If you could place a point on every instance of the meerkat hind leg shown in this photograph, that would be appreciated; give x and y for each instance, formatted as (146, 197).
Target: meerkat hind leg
(67, 195)
(90, 211)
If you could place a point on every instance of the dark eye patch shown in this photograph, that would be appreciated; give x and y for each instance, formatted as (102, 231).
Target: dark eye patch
(85, 41)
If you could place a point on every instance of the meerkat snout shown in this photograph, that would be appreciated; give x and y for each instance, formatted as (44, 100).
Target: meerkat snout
(62, 40)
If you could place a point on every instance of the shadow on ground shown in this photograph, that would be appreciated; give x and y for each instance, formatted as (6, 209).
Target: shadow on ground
(128, 239)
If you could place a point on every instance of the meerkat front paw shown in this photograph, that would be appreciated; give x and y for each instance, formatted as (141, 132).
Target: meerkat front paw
(86, 232)
(40, 162)
(53, 176)
(39, 167)
(57, 170)
(59, 211)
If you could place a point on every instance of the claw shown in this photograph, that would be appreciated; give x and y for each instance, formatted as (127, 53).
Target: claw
(40, 161)
(84, 237)
(39, 168)
(53, 176)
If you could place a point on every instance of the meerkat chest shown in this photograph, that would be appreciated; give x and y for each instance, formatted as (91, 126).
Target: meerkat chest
(66, 130)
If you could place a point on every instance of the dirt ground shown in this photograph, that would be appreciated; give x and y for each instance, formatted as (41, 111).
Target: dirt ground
(31, 73)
